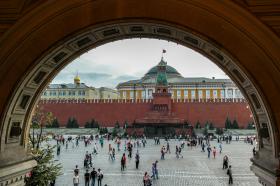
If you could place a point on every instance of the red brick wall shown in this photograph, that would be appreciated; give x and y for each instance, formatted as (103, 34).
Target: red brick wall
(213, 112)
(108, 113)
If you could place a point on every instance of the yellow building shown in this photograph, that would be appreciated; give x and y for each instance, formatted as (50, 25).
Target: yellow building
(78, 90)
(180, 87)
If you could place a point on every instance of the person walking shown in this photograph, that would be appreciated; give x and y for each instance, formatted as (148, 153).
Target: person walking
(87, 178)
(123, 161)
(137, 158)
(66, 145)
(113, 154)
(168, 148)
(221, 148)
(99, 177)
(214, 152)
(76, 170)
(225, 162)
(93, 175)
(76, 179)
(202, 147)
(153, 171)
(156, 169)
(147, 180)
(209, 151)
(58, 150)
(177, 152)
(162, 153)
(229, 173)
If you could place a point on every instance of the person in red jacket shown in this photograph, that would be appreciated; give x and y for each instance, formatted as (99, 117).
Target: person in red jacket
(123, 162)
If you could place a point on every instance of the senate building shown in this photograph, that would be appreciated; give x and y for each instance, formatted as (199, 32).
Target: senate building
(180, 87)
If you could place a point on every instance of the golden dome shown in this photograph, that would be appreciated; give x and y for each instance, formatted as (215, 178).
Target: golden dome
(77, 79)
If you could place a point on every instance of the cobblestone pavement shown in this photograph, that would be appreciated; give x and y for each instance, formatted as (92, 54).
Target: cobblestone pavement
(193, 169)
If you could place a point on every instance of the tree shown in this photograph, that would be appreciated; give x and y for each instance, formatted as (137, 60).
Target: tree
(117, 125)
(211, 126)
(46, 169)
(197, 125)
(39, 120)
(115, 132)
(54, 124)
(92, 124)
(72, 123)
(228, 124)
(125, 125)
(207, 125)
(235, 124)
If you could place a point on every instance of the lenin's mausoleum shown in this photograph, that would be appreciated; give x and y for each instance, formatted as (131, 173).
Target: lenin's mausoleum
(161, 99)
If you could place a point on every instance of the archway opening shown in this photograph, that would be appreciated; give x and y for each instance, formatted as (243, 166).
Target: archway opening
(192, 99)
(123, 21)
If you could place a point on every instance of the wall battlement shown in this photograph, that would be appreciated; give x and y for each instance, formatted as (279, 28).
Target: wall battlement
(127, 101)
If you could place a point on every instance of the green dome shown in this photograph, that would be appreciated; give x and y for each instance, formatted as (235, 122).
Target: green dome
(169, 70)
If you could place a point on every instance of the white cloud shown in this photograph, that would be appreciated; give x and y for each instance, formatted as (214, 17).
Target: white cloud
(133, 58)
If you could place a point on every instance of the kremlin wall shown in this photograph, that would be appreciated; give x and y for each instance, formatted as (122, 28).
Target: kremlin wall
(107, 112)
(161, 99)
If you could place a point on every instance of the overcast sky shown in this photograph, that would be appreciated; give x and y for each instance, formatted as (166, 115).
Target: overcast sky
(129, 59)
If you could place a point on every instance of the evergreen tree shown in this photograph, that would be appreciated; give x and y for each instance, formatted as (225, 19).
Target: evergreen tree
(55, 123)
(87, 125)
(117, 125)
(46, 169)
(96, 125)
(228, 124)
(206, 125)
(125, 125)
(197, 125)
(235, 124)
(92, 124)
(72, 123)
(211, 126)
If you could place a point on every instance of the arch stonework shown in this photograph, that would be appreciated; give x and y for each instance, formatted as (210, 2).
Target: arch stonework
(45, 39)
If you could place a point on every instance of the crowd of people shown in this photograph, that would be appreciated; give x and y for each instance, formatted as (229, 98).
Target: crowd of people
(131, 149)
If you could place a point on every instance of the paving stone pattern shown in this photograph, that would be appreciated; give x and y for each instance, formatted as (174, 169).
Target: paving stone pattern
(194, 169)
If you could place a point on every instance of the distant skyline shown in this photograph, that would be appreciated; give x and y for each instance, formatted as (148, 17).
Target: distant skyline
(123, 60)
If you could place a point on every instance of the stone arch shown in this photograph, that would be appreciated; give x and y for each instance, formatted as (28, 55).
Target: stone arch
(49, 40)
